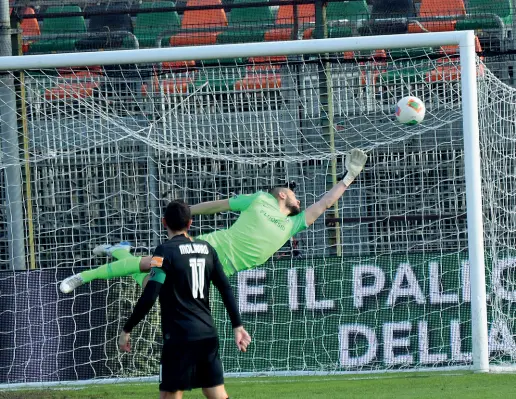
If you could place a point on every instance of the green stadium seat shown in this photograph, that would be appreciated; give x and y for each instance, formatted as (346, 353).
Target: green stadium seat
(219, 80)
(68, 26)
(247, 24)
(417, 52)
(149, 26)
(354, 11)
(223, 62)
(477, 11)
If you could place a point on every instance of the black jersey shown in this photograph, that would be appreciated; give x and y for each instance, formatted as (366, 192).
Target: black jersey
(182, 272)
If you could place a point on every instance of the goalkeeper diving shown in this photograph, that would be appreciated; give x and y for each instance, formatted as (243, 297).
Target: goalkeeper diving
(266, 222)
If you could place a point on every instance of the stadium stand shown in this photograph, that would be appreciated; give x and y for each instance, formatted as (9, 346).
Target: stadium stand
(248, 23)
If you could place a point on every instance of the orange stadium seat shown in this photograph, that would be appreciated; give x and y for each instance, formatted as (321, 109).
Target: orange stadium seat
(259, 82)
(272, 63)
(71, 90)
(178, 85)
(29, 27)
(285, 16)
(208, 22)
(447, 71)
(438, 8)
(454, 50)
(175, 65)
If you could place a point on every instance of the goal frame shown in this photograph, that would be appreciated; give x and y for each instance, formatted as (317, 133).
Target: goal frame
(466, 42)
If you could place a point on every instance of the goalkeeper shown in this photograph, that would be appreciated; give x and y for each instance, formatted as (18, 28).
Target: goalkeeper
(266, 222)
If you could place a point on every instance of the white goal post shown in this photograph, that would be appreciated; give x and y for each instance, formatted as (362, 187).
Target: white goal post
(470, 124)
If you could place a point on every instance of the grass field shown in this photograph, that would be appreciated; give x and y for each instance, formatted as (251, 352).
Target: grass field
(453, 385)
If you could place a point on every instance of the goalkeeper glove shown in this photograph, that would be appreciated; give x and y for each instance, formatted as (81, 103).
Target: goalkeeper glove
(355, 162)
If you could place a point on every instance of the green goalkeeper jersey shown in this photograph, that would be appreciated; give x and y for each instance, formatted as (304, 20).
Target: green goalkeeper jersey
(258, 233)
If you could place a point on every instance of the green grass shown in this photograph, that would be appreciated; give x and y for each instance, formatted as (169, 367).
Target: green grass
(453, 385)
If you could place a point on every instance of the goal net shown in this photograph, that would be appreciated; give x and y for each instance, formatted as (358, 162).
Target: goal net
(380, 282)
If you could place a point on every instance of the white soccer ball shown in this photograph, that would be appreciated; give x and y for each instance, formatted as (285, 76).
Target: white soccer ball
(410, 110)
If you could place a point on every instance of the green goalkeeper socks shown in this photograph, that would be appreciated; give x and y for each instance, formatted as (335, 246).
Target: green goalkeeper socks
(121, 268)
(121, 254)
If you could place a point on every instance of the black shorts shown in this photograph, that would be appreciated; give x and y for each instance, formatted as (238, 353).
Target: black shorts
(189, 365)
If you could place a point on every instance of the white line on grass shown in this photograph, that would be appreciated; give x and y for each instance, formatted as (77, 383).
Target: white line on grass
(280, 380)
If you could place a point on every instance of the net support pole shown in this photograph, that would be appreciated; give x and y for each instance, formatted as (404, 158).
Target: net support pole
(154, 205)
(474, 203)
(10, 150)
(21, 94)
(327, 112)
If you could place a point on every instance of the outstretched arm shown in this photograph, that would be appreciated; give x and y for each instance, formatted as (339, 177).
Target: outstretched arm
(355, 162)
(238, 203)
(210, 207)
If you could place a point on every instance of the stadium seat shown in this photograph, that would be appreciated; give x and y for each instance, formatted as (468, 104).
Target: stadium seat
(449, 73)
(478, 18)
(262, 73)
(29, 27)
(446, 68)
(219, 80)
(208, 24)
(247, 24)
(259, 82)
(176, 84)
(376, 55)
(65, 91)
(389, 17)
(68, 26)
(149, 26)
(354, 12)
(177, 65)
(285, 16)
(454, 50)
(438, 8)
(102, 26)
(272, 63)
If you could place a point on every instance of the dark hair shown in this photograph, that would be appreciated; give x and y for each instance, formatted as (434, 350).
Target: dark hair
(291, 184)
(279, 189)
(177, 215)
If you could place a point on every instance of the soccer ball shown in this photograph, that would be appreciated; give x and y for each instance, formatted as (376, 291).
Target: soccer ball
(410, 110)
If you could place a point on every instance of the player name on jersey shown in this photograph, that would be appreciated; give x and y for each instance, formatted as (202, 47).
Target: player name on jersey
(187, 249)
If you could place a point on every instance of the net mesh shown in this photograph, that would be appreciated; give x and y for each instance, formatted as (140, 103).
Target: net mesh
(382, 283)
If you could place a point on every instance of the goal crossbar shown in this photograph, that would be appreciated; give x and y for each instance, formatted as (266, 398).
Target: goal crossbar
(121, 57)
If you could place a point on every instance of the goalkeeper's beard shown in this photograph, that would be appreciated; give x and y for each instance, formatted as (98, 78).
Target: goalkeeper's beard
(294, 210)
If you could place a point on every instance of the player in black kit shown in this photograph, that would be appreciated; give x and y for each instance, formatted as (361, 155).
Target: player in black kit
(182, 270)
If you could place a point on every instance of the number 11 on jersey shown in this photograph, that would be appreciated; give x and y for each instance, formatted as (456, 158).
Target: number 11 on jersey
(197, 266)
